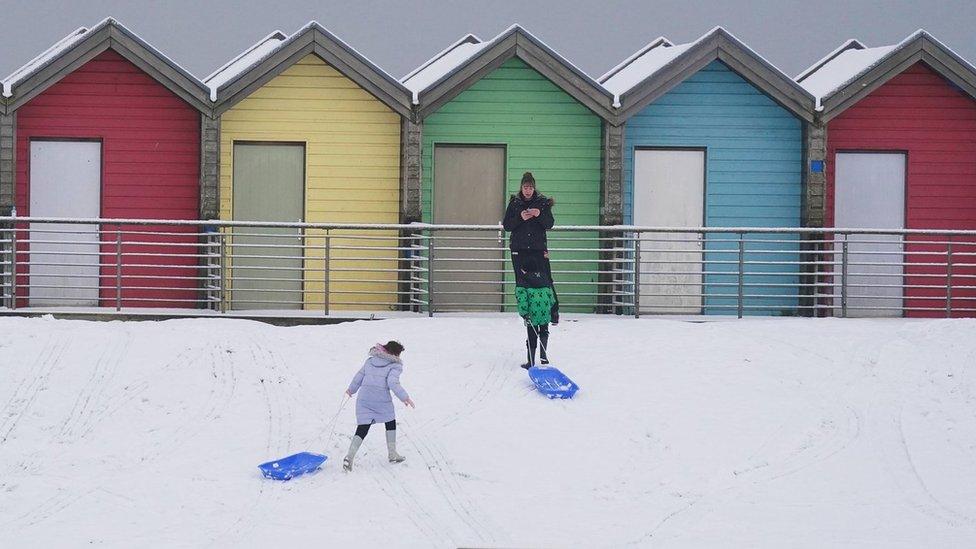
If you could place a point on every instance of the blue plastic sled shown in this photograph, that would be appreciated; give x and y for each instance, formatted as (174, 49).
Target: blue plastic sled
(292, 466)
(552, 383)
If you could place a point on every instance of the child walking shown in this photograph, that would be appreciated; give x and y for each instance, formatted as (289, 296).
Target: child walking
(535, 298)
(378, 376)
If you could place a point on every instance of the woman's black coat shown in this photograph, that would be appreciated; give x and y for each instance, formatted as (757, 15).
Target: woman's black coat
(531, 234)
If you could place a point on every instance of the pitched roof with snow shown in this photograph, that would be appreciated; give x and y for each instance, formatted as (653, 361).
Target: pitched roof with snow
(426, 83)
(42, 60)
(853, 62)
(661, 65)
(244, 60)
(106, 31)
(441, 64)
(640, 66)
(229, 83)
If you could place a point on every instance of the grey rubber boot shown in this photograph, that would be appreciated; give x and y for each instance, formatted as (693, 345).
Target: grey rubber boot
(391, 446)
(353, 448)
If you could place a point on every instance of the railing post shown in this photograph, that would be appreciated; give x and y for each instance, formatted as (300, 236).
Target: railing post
(223, 272)
(13, 264)
(213, 272)
(6, 274)
(327, 266)
(742, 266)
(303, 246)
(637, 274)
(430, 273)
(949, 278)
(843, 279)
(118, 268)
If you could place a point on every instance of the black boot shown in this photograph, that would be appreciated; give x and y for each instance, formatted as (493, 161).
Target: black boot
(530, 352)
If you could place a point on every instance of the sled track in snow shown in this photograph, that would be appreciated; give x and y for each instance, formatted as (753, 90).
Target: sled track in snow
(275, 375)
(412, 507)
(839, 424)
(94, 397)
(494, 381)
(34, 381)
(445, 480)
(222, 383)
(49, 507)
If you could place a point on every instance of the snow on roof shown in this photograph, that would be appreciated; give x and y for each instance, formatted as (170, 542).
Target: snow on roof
(659, 54)
(444, 62)
(641, 67)
(657, 42)
(456, 55)
(43, 59)
(245, 60)
(69, 41)
(851, 44)
(852, 60)
(467, 38)
(842, 69)
(267, 47)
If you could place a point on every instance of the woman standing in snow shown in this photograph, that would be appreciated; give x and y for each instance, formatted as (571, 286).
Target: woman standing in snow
(527, 218)
(378, 376)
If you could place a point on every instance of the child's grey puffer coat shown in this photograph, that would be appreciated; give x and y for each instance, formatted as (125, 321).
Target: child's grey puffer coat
(374, 381)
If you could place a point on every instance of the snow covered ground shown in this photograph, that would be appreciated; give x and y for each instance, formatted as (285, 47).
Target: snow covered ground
(752, 433)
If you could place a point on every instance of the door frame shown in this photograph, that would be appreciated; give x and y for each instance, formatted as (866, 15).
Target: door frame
(304, 144)
(233, 201)
(28, 187)
(833, 205)
(704, 200)
(101, 166)
(504, 197)
(633, 175)
(479, 145)
(904, 212)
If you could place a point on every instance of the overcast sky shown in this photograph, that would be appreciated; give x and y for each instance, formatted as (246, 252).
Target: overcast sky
(398, 35)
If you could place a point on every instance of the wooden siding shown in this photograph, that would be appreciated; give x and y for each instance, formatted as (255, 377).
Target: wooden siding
(545, 131)
(921, 114)
(150, 164)
(752, 178)
(352, 155)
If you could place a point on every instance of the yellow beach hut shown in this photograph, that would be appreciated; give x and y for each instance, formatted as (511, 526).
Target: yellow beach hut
(308, 131)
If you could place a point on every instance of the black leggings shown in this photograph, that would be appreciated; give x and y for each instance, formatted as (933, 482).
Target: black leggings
(361, 430)
(533, 340)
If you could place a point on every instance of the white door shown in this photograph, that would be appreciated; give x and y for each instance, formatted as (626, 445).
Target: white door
(65, 181)
(669, 191)
(870, 193)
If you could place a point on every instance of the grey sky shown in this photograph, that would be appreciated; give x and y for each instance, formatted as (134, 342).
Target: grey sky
(400, 34)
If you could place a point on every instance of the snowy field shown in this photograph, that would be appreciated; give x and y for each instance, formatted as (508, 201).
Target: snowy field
(752, 433)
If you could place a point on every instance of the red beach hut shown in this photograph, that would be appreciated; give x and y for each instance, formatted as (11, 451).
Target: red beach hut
(900, 127)
(106, 126)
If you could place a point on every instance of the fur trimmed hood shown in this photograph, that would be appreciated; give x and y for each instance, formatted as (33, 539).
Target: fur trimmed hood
(379, 351)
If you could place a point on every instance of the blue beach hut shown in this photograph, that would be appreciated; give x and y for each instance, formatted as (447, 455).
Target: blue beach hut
(713, 137)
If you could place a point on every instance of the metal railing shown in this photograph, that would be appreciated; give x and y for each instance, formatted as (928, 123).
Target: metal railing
(245, 266)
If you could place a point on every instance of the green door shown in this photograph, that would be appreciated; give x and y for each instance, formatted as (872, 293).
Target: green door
(269, 185)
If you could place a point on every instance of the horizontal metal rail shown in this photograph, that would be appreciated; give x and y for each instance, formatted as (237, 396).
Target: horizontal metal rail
(241, 265)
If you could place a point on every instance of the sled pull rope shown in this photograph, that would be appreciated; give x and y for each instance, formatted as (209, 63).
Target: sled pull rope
(335, 418)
